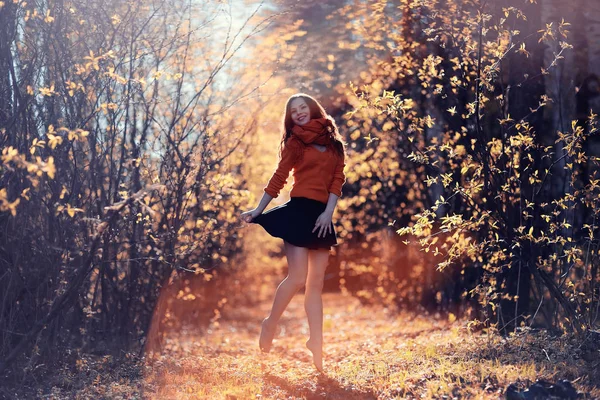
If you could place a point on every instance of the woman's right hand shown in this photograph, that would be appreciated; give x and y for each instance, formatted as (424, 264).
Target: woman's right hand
(249, 216)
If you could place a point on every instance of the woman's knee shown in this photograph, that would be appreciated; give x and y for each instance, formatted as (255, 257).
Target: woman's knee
(314, 284)
(296, 281)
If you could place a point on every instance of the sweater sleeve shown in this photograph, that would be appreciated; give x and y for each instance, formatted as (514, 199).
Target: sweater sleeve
(281, 174)
(338, 178)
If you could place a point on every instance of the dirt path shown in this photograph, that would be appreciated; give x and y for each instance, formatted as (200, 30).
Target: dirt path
(369, 354)
(226, 362)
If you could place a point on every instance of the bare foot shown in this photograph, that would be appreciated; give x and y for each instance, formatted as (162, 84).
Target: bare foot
(267, 332)
(317, 352)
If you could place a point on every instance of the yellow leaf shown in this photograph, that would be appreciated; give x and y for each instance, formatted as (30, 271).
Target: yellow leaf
(48, 18)
(72, 210)
(54, 140)
(50, 168)
(388, 125)
(47, 91)
(13, 206)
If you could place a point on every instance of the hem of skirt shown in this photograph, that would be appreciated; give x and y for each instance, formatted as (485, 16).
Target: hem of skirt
(308, 246)
(273, 234)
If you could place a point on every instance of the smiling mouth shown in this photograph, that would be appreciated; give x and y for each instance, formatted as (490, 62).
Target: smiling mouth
(302, 118)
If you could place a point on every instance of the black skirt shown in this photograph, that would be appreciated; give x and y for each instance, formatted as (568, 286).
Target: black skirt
(294, 220)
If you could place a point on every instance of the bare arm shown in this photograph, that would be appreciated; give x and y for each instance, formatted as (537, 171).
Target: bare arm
(264, 202)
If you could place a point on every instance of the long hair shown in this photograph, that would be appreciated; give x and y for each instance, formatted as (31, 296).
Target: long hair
(316, 110)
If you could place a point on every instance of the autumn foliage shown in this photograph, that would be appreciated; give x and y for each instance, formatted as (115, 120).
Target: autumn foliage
(133, 134)
(456, 151)
(122, 170)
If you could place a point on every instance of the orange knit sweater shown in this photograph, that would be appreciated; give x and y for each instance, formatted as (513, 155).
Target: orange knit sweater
(315, 176)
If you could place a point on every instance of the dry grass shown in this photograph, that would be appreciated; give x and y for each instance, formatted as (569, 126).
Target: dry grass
(370, 354)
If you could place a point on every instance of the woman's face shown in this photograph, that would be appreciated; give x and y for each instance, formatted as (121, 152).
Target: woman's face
(299, 111)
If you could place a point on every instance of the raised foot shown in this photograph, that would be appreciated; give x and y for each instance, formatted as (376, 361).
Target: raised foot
(267, 332)
(316, 348)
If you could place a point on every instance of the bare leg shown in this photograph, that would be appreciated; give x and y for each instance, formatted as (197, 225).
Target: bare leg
(313, 303)
(297, 259)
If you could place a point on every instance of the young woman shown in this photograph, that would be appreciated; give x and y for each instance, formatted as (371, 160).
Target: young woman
(311, 145)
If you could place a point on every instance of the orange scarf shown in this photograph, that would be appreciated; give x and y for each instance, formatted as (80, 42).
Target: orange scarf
(315, 131)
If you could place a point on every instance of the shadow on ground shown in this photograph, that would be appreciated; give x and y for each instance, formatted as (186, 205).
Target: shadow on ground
(324, 387)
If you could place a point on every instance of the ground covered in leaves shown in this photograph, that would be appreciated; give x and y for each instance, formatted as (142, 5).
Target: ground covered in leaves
(369, 354)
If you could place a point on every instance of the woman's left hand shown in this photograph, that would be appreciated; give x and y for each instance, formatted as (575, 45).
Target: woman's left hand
(323, 223)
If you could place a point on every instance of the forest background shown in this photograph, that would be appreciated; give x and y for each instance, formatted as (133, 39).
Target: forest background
(134, 134)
